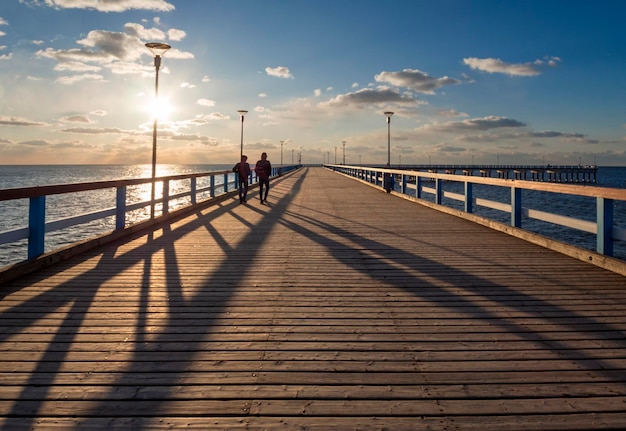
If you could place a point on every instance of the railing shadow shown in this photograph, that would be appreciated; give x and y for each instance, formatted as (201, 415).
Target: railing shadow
(33, 397)
(341, 244)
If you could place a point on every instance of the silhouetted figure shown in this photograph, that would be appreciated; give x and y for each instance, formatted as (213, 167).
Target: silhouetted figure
(263, 170)
(243, 170)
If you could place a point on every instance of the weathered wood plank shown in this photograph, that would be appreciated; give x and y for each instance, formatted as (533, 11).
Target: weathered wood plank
(334, 307)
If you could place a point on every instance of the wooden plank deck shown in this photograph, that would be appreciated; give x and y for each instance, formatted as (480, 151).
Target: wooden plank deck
(335, 307)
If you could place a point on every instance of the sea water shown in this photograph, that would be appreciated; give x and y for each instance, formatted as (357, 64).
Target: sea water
(14, 213)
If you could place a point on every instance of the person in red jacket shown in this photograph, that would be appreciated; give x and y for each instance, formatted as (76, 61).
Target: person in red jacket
(243, 173)
(263, 170)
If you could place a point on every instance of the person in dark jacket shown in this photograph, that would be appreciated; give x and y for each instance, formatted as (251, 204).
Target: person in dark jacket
(263, 170)
(243, 173)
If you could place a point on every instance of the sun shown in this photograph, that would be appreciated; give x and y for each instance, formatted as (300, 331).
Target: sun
(160, 108)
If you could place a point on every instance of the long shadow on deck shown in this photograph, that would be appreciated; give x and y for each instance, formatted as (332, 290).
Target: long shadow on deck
(32, 398)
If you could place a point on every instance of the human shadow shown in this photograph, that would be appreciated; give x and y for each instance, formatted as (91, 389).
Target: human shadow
(78, 294)
(347, 247)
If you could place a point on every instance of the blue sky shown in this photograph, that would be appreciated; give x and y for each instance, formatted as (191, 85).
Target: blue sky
(515, 82)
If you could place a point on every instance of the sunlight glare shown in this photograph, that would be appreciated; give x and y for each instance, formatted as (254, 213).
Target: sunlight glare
(160, 108)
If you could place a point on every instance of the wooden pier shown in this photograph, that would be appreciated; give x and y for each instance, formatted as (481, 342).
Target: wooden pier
(334, 307)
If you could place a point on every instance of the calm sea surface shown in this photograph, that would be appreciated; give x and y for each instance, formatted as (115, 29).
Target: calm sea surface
(14, 214)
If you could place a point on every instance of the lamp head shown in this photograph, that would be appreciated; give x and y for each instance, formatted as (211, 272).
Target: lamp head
(242, 112)
(157, 48)
(388, 114)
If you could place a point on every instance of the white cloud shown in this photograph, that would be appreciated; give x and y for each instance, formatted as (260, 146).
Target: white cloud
(3, 21)
(109, 46)
(451, 113)
(262, 95)
(317, 92)
(93, 130)
(279, 72)
(205, 78)
(141, 32)
(119, 52)
(495, 65)
(205, 102)
(69, 80)
(176, 35)
(368, 96)
(415, 80)
(208, 118)
(179, 55)
(475, 124)
(19, 121)
(109, 5)
(76, 66)
(76, 119)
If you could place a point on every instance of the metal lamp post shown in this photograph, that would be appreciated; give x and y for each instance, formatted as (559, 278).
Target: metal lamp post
(281, 153)
(157, 49)
(344, 152)
(388, 114)
(388, 177)
(241, 113)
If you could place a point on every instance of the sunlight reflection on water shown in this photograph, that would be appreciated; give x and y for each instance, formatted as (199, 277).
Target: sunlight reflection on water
(15, 212)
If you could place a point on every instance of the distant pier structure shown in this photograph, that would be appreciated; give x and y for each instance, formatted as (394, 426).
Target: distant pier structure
(544, 173)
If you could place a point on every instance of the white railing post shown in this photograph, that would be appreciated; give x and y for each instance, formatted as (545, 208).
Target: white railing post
(604, 236)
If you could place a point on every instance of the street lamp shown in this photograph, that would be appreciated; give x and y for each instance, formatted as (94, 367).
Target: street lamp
(335, 155)
(281, 153)
(388, 114)
(344, 152)
(241, 113)
(157, 49)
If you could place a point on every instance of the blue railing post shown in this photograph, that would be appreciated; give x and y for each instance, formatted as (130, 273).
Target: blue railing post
(468, 197)
(120, 207)
(438, 191)
(36, 226)
(212, 191)
(604, 236)
(226, 182)
(403, 184)
(418, 187)
(193, 187)
(516, 207)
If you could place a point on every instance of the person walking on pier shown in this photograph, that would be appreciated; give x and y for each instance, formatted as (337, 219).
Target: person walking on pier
(243, 172)
(263, 170)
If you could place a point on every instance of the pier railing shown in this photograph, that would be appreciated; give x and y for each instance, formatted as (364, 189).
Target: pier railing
(445, 189)
(124, 208)
(545, 173)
